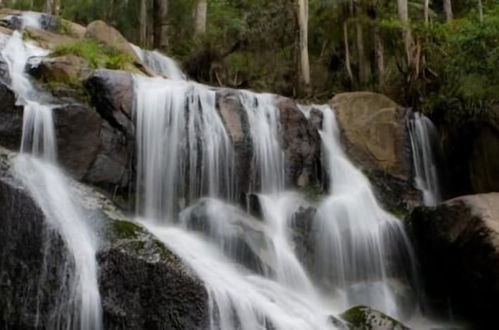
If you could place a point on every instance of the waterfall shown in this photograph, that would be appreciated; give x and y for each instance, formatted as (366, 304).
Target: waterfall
(423, 136)
(359, 246)
(79, 304)
(184, 151)
(160, 64)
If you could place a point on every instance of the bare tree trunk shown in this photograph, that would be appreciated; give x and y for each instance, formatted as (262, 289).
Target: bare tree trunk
(426, 12)
(160, 11)
(200, 13)
(480, 10)
(380, 54)
(302, 14)
(448, 10)
(403, 11)
(143, 23)
(347, 51)
(49, 6)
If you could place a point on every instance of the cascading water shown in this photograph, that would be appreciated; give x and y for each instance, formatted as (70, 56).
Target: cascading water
(184, 151)
(359, 246)
(423, 136)
(161, 65)
(79, 304)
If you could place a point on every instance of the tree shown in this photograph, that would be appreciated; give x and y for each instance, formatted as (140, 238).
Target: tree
(403, 11)
(448, 10)
(200, 13)
(303, 59)
(160, 24)
(480, 10)
(143, 23)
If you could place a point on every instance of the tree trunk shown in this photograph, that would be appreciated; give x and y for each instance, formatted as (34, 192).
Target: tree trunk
(304, 69)
(380, 54)
(347, 52)
(426, 12)
(448, 10)
(143, 23)
(403, 11)
(480, 10)
(200, 13)
(160, 11)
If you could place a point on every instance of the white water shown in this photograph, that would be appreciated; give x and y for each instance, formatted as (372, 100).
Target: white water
(268, 157)
(162, 65)
(357, 242)
(423, 136)
(184, 151)
(50, 190)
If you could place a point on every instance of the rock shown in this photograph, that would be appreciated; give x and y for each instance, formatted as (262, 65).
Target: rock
(11, 119)
(471, 151)
(109, 36)
(365, 318)
(457, 244)
(302, 144)
(29, 281)
(113, 96)
(237, 125)
(239, 235)
(145, 286)
(73, 29)
(47, 39)
(376, 139)
(67, 69)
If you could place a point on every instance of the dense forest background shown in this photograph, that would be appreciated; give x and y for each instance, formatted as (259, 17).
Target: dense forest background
(438, 56)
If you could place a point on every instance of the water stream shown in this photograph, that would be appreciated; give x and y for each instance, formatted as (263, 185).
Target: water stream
(79, 304)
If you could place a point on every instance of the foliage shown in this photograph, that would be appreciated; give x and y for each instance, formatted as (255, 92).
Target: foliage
(464, 56)
(97, 55)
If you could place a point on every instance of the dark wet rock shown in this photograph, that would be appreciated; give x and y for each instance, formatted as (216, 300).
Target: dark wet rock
(236, 122)
(112, 94)
(366, 318)
(301, 142)
(457, 244)
(30, 282)
(239, 235)
(11, 119)
(302, 231)
(145, 286)
(471, 155)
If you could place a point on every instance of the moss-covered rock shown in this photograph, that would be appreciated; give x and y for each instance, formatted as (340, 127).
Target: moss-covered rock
(365, 318)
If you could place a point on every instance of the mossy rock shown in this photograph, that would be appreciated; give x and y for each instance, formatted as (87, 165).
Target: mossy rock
(366, 318)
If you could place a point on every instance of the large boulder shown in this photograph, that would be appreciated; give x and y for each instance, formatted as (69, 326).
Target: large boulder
(143, 285)
(89, 148)
(457, 243)
(109, 36)
(112, 94)
(375, 137)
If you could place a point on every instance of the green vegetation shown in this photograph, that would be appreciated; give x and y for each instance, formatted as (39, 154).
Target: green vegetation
(97, 55)
(123, 229)
(449, 70)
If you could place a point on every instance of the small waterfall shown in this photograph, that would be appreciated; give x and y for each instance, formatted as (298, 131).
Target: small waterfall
(360, 248)
(79, 304)
(268, 157)
(161, 65)
(182, 140)
(423, 136)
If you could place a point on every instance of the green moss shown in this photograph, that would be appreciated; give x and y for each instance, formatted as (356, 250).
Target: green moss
(356, 316)
(99, 56)
(313, 192)
(123, 229)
